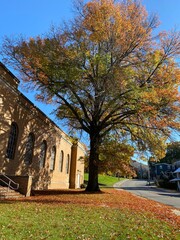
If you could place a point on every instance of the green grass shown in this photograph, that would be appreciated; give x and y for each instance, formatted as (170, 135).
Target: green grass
(35, 221)
(83, 216)
(104, 180)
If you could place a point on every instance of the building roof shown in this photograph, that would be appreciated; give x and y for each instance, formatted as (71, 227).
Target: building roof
(175, 180)
(177, 170)
(10, 73)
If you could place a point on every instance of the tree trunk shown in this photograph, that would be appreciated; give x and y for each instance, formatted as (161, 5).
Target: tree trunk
(93, 185)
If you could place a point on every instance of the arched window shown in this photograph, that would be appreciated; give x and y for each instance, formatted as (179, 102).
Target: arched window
(12, 141)
(61, 161)
(53, 157)
(42, 156)
(29, 149)
(67, 164)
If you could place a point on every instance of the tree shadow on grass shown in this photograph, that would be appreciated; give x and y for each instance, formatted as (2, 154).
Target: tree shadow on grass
(51, 192)
(60, 197)
(53, 196)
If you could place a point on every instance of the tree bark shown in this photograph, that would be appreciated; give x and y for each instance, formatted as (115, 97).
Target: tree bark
(93, 185)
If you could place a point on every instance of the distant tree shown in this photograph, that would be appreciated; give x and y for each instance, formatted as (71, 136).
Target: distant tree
(106, 71)
(172, 153)
(115, 157)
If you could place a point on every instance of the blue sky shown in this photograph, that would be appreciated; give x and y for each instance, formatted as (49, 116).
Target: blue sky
(34, 17)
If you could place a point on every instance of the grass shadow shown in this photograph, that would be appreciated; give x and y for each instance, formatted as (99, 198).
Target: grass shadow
(51, 192)
(6, 201)
(54, 196)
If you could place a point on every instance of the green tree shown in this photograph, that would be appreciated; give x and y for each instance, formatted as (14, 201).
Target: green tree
(105, 71)
(172, 153)
(115, 157)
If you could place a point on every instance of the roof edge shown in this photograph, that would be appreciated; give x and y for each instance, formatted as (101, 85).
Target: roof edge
(10, 73)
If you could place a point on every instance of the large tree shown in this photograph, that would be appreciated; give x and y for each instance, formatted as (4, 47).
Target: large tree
(106, 71)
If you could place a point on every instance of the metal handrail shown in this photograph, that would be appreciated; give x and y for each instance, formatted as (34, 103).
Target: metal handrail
(8, 184)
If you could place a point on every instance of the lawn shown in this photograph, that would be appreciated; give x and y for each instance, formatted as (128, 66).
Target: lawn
(104, 180)
(111, 214)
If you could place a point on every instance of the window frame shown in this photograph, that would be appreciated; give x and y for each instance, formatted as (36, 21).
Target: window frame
(29, 151)
(67, 164)
(12, 141)
(61, 161)
(43, 153)
(53, 158)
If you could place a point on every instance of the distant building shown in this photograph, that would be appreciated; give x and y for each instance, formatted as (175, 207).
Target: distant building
(33, 145)
(140, 168)
(164, 173)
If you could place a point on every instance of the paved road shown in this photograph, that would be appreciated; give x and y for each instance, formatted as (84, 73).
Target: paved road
(140, 188)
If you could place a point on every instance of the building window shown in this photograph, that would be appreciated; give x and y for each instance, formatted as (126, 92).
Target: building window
(67, 164)
(43, 154)
(61, 161)
(12, 141)
(29, 149)
(53, 157)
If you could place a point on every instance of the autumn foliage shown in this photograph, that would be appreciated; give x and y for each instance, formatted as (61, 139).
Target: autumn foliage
(112, 198)
(107, 72)
(115, 158)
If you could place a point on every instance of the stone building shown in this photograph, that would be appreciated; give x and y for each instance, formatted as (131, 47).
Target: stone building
(33, 145)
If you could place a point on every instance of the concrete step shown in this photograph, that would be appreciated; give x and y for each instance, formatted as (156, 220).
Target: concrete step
(5, 189)
(6, 193)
